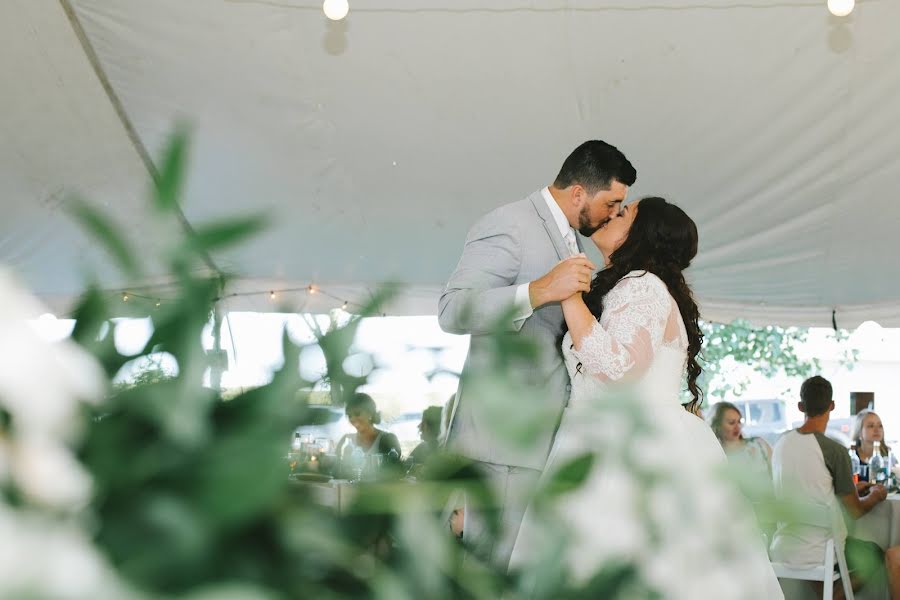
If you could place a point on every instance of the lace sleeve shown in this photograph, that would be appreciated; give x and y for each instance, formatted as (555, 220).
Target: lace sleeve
(634, 322)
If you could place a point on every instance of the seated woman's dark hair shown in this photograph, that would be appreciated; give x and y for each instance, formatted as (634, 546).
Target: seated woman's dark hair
(363, 402)
(663, 241)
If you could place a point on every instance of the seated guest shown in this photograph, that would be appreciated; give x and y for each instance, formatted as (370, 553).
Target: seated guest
(751, 458)
(807, 466)
(754, 454)
(429, 429)
(363, 417)
(867, 429)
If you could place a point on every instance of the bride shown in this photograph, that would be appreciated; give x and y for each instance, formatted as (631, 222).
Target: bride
(652, 497)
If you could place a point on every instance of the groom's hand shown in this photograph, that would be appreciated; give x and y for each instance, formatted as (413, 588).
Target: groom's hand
(570, 276)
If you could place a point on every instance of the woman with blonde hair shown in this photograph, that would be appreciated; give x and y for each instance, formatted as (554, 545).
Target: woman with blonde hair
(868, 429)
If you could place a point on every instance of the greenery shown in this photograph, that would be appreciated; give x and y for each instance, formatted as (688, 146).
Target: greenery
(192, 495)
(769, 350)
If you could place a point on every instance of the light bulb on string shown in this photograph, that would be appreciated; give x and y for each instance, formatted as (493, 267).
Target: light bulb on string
(125, 297)
(335, 9)
(271, 295)
(158, 303)
(312, 289)
(841, 8)
(344, 305)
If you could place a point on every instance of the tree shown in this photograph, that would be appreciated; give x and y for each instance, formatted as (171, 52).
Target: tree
(768, 350)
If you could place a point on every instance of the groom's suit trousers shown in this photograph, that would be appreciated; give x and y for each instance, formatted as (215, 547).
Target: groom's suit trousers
(513, 488)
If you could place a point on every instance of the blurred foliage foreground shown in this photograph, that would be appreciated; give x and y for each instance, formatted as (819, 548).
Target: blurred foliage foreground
(187, 495)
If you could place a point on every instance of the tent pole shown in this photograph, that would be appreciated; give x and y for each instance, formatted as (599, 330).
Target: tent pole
(116, 103)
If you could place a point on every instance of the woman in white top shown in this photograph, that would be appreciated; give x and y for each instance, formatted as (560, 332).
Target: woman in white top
(364, 416)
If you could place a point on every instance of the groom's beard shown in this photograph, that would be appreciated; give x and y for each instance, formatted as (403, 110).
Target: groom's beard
(584, 223)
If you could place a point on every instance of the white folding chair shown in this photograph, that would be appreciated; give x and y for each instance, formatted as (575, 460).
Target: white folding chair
(826, 518)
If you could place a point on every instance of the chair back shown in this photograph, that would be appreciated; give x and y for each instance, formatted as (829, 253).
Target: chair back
(830, 519)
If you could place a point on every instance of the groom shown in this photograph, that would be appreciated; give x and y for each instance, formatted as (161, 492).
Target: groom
(514, 257)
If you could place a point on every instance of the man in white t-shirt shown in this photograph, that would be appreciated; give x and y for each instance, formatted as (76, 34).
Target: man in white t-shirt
(808, 466)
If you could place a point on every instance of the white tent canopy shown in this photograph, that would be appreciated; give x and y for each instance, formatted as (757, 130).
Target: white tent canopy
(376, 141)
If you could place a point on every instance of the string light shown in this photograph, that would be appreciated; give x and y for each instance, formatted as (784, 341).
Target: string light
(335, 9)
(310, 289)
(841, 8)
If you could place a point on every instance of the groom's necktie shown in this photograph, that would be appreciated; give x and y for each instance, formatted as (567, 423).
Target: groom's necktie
(571, 243)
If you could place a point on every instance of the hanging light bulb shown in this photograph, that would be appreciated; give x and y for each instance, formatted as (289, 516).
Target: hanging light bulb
(125, 297)
(841, 8)
(158, 303)
(312, 289)
(271, 295)
(335, 9)
(344, 305)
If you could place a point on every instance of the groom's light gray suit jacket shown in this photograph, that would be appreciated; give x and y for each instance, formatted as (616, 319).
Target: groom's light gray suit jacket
(514, 244)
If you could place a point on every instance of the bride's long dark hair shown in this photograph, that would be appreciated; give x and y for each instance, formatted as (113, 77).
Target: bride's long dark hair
(663, 241)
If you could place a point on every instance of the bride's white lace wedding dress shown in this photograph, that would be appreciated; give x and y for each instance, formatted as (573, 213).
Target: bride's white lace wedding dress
(654, 496)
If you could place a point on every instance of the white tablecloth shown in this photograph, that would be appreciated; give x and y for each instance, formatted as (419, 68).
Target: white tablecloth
(881, 524)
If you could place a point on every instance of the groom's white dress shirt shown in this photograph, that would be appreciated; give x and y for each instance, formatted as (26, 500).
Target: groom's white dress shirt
(523, 300)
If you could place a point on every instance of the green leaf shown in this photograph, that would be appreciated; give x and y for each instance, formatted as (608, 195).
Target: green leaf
(617, 579)
(170, 174)
(104, 230)
(570, 476)
(90, 315)
(226, 232)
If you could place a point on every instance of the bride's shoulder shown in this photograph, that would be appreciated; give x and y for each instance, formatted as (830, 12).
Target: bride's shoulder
(640, 281)
(637, 286)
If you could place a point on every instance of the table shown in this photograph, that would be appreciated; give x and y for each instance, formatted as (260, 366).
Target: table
(881, 524)
(340, 494)
(334, 494)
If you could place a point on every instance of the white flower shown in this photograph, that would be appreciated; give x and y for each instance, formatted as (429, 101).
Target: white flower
(47, 558)
(41, 386)
(47, 473)
(41, 383)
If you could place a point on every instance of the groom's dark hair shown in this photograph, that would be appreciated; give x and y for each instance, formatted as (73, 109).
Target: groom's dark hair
(595, 165)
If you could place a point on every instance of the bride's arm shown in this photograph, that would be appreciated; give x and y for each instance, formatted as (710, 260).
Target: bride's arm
(635, 320)
(578, 318)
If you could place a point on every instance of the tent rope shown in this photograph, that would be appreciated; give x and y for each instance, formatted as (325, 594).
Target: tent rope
(130, 131)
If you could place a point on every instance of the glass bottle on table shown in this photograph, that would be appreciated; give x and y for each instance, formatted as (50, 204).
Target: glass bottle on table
(358, 460)
(891, 476)
(353, 459)
(293, 455)
(877, 466)
(855, 465)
